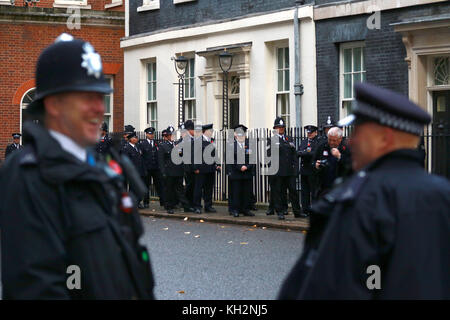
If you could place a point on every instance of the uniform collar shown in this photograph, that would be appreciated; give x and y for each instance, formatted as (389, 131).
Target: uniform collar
(206, 138)
(69, 145)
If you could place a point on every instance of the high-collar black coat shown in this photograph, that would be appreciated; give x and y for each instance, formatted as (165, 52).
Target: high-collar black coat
(11, 148)
(150, 153)
(135, 155)
(57, 211)
(392, 214)
(287, 155)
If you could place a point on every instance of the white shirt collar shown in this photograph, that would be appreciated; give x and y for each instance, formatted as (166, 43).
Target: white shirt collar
(206, 138)
(69, 145)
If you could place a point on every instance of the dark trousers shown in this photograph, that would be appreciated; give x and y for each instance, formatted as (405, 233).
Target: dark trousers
(240, 192)
(204, 185)
(293, 195)
(307, 186)
(271, 206)
(155, 177)
(189, 178)
(280, 186)
(174, 192)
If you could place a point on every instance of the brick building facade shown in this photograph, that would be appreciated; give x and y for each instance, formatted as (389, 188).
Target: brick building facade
(25, 30)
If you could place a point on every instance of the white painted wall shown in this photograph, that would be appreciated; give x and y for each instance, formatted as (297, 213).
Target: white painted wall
(262, 81)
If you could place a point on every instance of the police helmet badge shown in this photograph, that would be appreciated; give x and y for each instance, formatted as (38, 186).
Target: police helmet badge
(281, 122)
(91, 61)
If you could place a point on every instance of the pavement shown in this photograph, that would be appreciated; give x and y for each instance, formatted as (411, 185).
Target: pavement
(222, 216)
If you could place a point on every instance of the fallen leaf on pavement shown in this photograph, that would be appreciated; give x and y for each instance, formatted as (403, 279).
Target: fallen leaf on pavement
(185, 219)
(197, 236)
(165, 228)
(223, 227)
(244, 242)
(254, 226)
(187, 233)
(230, 241)
(303, 231)
(264, 228)
(251, 229)
(182, 291)
(201, 220)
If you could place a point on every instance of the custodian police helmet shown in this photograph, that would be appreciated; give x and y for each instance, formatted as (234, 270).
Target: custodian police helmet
(67, 65)
(279, 122)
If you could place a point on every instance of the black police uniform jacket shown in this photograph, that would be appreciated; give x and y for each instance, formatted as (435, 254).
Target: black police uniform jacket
(393, 215)
(55, 212)
(11, 148)
(288, 159)
(210, 152)
(149, 154)
(334, 168)
(104, 144)
(135, 155)
(166, 165)
(306, 152)
(245, 154)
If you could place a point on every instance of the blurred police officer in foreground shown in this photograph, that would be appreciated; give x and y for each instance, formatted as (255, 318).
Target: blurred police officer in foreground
(105, 141)
(240, 175)
(64, 213)
(205, 173)
(306, 152)
(287, 161)
(134, 153)
(172, 173)
(332, 160)
(384, 233)
(13, 146)
(149, 148)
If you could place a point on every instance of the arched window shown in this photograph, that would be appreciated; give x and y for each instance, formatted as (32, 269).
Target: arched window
(24, 103)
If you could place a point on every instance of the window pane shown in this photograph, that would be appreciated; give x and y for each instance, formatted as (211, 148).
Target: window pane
(363, 67)
(363, 77)
(347, 86)
(154, 71)
(192, 88)
(191, 67)
(107, 120)
(154, 90)
(286, 80)
(280, 58)
(280, 80)
(107, 102)
(149, 72)
(357, 59)
(348, 60)
(286, 57)
(356, 78)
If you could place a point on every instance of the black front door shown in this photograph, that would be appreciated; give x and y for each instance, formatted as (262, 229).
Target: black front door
(441, 133)
(234, 113)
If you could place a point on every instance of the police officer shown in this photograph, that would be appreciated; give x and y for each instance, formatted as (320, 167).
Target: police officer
(332, 160)
(286, 166)
(105, 142)
(205, 173)
(134, 153)
(129, 129)
(13, 146)
(64, 212)
(149, 148)
(306, 152)
(172, 173)
(240, 174)
(382, 234)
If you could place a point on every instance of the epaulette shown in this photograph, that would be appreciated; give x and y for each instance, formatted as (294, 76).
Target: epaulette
(349, 190)
(27, 156)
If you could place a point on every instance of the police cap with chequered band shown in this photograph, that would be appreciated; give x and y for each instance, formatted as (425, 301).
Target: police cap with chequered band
(387, 108)
(67, 65)
(279, 122)
(150, 130)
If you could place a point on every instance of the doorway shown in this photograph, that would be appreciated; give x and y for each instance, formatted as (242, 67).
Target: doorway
(234, 113)
(441, 133)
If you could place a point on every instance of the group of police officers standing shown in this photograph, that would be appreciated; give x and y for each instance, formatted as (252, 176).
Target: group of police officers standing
(319, 160)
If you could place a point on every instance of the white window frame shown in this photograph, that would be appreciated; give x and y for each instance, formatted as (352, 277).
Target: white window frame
(114, 3)
(190, 103)
(343, 110)
(110, 114)
(152, 122)
(182, 1)
(71, 3)
(148, 5)
(5, 3)
(285, 93)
